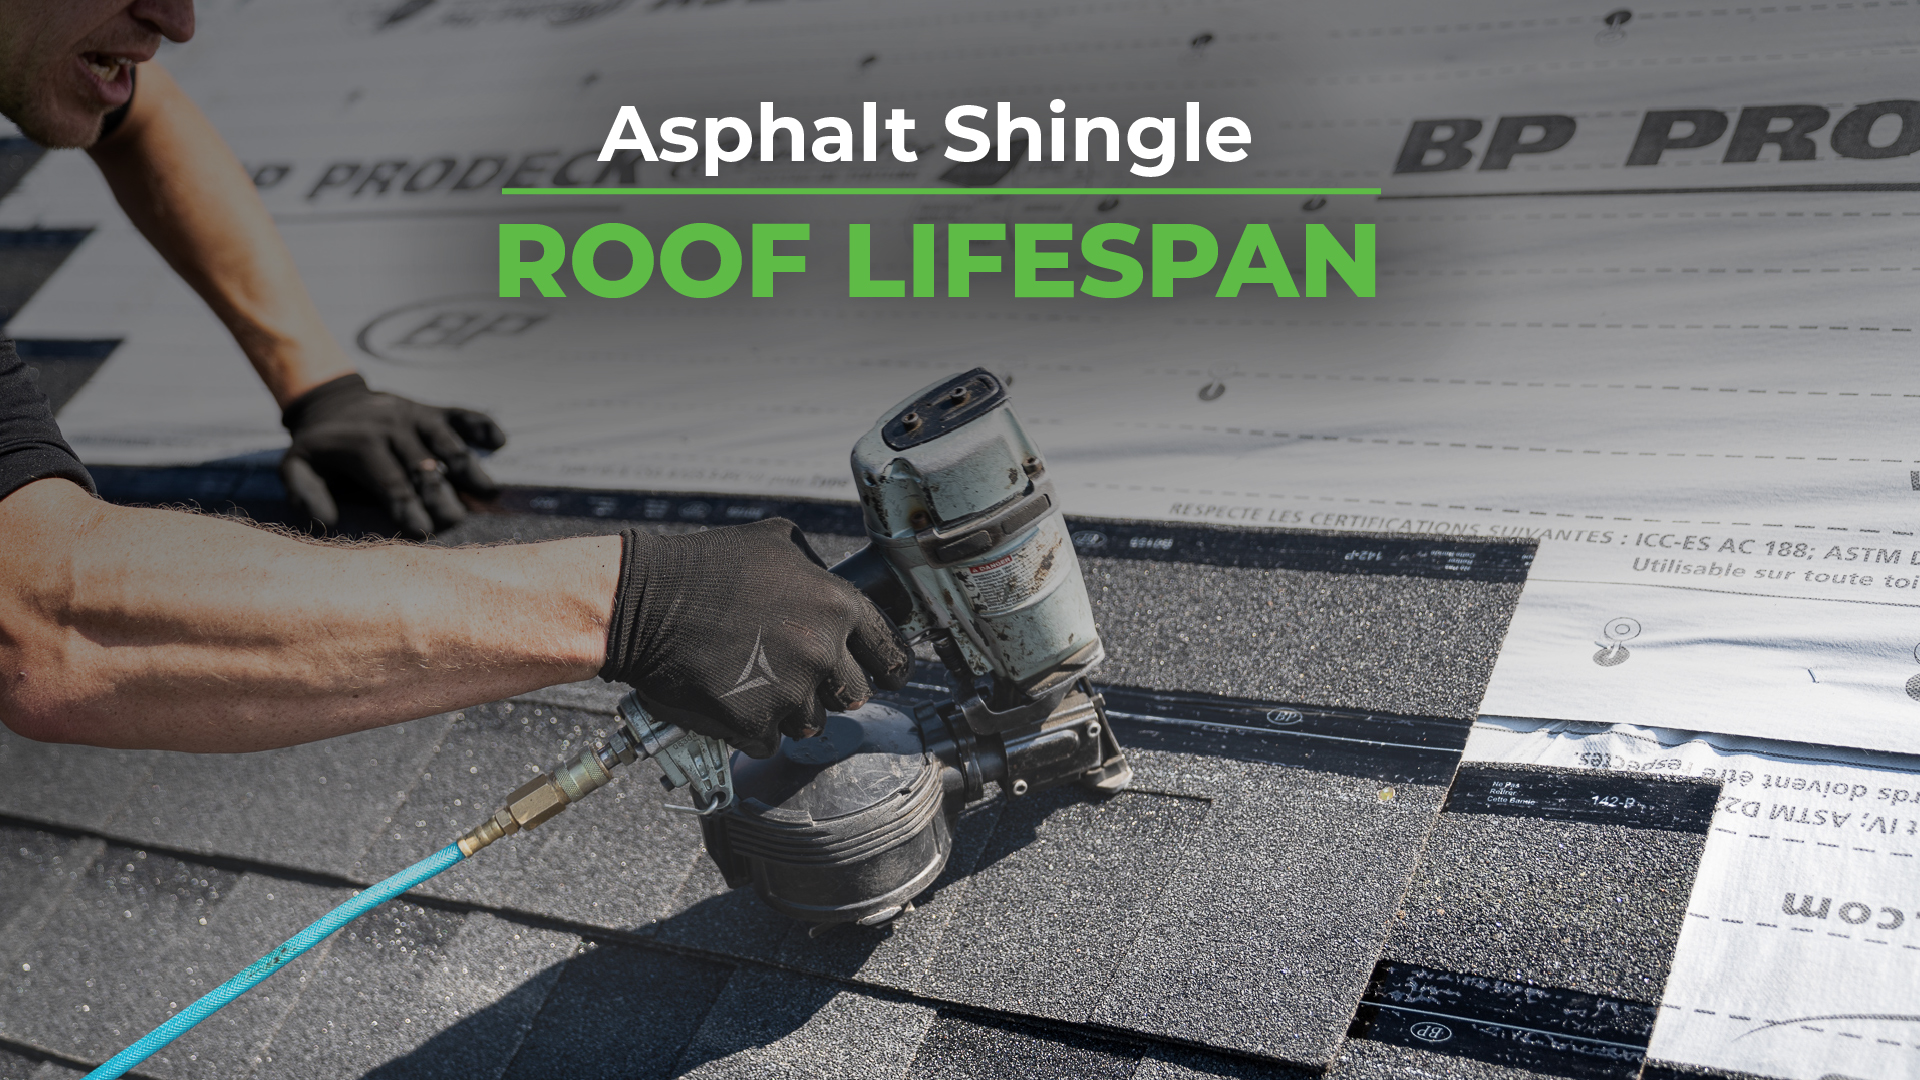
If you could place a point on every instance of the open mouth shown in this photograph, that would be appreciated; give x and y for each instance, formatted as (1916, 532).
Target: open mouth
(105, 68)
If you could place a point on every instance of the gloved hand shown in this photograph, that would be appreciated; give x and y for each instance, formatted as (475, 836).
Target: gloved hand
(741, 633)
(407, 457)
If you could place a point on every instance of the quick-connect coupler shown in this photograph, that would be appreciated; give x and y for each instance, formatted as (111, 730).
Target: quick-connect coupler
(700, 763)
(540, 799)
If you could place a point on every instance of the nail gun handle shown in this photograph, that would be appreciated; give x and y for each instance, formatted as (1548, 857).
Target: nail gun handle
(686, 758)
(868, 571)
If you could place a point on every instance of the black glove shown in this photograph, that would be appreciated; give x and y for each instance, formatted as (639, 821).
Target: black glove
(407, 457)
(741, 633)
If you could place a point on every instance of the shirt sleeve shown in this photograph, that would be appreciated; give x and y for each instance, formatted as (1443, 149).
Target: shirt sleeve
(31, 447)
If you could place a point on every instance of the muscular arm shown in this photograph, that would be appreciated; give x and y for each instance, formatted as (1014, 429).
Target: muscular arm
(152, 628)
(189, 196)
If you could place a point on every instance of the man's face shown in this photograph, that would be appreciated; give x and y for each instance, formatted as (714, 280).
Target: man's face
(65, 64)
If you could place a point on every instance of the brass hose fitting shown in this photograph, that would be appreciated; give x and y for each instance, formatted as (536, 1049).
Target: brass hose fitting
(540, 799)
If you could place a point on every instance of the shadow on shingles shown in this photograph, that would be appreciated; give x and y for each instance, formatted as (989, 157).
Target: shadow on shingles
(630, 1012)
(1020, 821)
(641, 1012)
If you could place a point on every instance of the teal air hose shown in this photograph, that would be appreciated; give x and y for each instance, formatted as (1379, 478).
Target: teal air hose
(536, 802)
(257, 972)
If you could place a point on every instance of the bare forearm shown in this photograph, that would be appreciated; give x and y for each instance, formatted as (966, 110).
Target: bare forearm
(188, 195)
(149, 628)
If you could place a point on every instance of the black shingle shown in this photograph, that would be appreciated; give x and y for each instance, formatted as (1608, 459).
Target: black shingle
(1580, 905)
(311, 807)
(617, 1012)
(1245, 910)
(773, 1023)
(1587, 907)
(38, 871)
(139, 937)
(16, 1066)
(1181, 1063)
(80, 787)
(616, 860)
(1362, 1059)
(1048, 920)
(1266, 934)
(1539, 929)
(1393, 644)
(400, 976)
(960, 1047)
(710, 917)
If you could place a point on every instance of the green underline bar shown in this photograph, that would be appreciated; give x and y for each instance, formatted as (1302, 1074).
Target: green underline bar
(939, 191)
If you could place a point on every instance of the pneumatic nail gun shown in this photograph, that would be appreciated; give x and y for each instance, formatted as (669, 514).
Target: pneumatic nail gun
(968, 553)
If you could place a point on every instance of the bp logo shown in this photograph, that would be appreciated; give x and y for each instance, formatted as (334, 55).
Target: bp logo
(456, 330)
(1618, 632)
(1089, 540)
(1431, 1031)
(1284, 717)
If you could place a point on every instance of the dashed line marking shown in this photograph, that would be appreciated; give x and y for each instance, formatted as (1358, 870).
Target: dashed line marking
(1198, 373)
(1263, 433)
(1641, 16)
(1508, 71)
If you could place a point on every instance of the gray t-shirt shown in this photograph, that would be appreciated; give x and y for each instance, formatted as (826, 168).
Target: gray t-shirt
(31, 447)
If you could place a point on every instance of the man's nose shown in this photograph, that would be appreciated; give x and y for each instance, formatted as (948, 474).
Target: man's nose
(173, 18)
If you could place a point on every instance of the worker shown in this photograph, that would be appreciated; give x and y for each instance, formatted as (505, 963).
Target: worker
(163, 629)
(78, 73)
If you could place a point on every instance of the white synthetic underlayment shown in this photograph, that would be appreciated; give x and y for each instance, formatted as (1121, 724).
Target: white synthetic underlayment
(1617, 375)
(1800, 956)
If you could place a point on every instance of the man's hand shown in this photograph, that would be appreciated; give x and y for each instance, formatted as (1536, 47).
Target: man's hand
(190, 197)
(741, 633)
(407, 457)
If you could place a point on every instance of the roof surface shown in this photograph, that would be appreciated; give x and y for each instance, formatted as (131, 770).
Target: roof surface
(1228, 916)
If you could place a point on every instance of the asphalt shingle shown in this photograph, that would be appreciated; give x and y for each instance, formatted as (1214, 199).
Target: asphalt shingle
(142, 934)
(1234, 903)
(1393, 644)
(79, 787)
(312, 807)
(959, 1047)
(15, 1066)
(619, 1012)
(616, 860)
(1539, 928)
(1063, 886)
(1265, 934)
(1582, 905)
(1588, 907)
(315, 807)
(710, 917)
(769, 1023)
(38, 871)
(1363, 1059)
(402, 974)
(1179, 1063)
